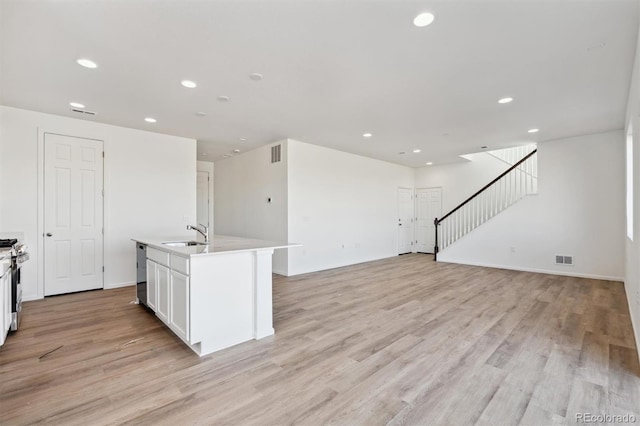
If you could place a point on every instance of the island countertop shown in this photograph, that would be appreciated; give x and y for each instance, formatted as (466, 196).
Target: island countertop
(218, 244)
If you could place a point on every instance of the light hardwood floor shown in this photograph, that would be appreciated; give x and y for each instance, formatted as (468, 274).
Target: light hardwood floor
(398, 341)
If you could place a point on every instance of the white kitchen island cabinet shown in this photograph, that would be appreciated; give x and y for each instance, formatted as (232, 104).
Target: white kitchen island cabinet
(179, 304)
(213, 295)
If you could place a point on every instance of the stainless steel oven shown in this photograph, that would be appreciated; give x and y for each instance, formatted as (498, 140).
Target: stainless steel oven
(19, 255)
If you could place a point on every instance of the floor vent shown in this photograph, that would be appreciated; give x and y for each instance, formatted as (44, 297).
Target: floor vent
(81, 111)
(564, 260)
(276, 152)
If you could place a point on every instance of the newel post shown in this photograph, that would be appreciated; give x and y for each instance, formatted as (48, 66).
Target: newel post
(435, 249)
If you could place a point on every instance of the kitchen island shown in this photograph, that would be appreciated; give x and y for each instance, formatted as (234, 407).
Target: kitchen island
(211, 295)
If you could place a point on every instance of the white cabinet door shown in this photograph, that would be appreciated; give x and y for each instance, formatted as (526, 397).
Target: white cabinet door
(163, 293)
(5, 305)
(179, 304)
(152, 285)
(3, 317)
(7, 302)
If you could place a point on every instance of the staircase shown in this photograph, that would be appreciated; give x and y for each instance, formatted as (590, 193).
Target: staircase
(507, 189)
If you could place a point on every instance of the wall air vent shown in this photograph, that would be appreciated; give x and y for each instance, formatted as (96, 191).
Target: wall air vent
(564, 260)
(276, 153)
(81, 111)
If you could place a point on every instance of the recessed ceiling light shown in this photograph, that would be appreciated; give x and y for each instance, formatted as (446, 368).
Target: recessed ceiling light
(423, 19)
(256, 76)
(429, 163)
(227, 155)
(533, 130)
(150, 120)
(76, 104)
(200, 114)
(189, 84)
(236, 151)
(415, 151)
(205, 153)
(367, 135)
(223, 98)
(505, 100)
(87, 63)
(243, 139)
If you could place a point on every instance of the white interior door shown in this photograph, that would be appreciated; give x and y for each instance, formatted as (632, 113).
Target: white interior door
(428, 207)
(73, 214)
(202, 192)
(405, 220)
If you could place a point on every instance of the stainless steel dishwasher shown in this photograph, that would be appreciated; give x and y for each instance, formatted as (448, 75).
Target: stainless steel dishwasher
(141, 269)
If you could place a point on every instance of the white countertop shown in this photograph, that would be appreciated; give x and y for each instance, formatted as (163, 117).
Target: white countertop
(218, 244)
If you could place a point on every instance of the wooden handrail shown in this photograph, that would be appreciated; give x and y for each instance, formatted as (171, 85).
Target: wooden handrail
(437, 221)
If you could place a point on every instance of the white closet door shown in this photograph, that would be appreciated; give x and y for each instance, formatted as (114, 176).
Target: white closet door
(73, 214)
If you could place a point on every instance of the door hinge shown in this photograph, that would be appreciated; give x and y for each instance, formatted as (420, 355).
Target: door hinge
(102, 154)
(103, 269)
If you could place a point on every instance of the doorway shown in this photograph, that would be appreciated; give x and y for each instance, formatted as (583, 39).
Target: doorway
(428, 207)
(202, 193)
(405, 220)
(73, 214)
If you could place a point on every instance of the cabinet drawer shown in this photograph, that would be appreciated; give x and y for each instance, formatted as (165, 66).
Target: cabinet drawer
(180, 264)
(158, 256)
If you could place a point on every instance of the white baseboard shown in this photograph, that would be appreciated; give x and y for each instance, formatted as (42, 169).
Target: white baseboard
(118, 285)
(538, 271)
(279, 272)
(30, 297)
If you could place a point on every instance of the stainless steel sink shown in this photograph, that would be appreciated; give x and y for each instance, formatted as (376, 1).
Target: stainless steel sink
(183, 243)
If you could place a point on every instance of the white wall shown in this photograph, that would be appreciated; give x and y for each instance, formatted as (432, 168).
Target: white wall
(243, 184)
(632, 248)
(460, 180)
(343, 207)
(579, 211)
(150, 187)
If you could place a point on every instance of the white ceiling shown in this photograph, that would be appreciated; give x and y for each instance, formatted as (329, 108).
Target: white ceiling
(332, 70)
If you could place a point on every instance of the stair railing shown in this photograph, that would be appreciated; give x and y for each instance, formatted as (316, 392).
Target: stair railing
(508, 188)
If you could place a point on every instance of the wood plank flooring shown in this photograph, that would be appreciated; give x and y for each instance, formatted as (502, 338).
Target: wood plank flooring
(399, 341)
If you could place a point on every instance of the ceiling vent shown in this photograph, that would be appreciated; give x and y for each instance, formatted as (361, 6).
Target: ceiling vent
(81, 111)
(564, 260)
(276, 154)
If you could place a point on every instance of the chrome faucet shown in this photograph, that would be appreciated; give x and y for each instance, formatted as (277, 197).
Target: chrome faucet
(204, 233)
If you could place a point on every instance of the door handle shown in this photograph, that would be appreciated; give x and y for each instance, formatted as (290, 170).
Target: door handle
(49, 234)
